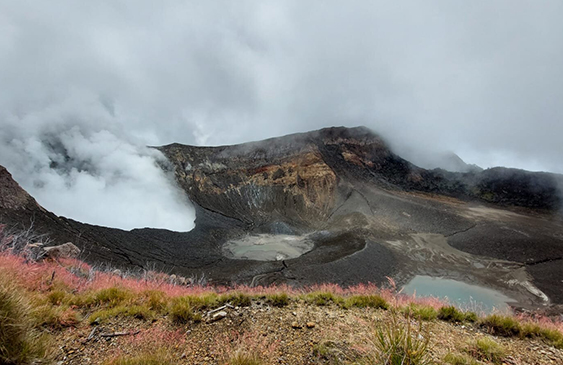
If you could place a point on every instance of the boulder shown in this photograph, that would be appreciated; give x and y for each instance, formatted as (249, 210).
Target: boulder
(66, 250)
(218, 316)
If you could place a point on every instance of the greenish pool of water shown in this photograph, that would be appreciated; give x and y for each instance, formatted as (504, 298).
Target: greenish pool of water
(466, 296)
(268, 247)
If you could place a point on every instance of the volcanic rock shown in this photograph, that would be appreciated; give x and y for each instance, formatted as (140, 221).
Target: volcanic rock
(66, 250)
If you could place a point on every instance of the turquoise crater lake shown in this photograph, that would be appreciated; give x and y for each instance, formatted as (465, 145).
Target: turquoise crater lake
(466, 296)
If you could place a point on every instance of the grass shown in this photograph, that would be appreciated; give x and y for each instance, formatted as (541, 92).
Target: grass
(333, 352)
(366, 301)
(20, 340)
(51, 297)
(112, 296)
(451, 314)
(158, 357)
(238, 299)
(181, 311)
(241, 357)
(55, 317)
(156, 300)
(500, 325)
(134, 311)
(278, 299)
(459, 359)
(421, 312)
(203, 301)
(398, 343)
(507, 326)
(471, 317)
(247, 347)
(488, 349)
(553, 337)
(323, 298)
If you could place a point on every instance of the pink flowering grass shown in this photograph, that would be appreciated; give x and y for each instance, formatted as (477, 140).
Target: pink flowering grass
(76, 277)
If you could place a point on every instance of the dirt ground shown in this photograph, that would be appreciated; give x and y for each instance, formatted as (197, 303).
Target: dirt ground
(296, 334)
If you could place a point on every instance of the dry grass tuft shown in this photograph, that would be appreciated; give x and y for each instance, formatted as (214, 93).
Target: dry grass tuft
(181, 311)
(278, 299)
(366, 301)
(487, 349)
(158, 357)
(399, 343)
(459, 359)
(247, 348)
(20, 341)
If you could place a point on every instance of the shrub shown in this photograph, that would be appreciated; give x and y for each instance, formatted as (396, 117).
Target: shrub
(20, 342)
(451, 314)
(278, 299)
(488, 349)
(502, 325)
(366, 301)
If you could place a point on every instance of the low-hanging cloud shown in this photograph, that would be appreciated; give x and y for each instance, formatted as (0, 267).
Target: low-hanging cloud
(480, 78)
(77, 162)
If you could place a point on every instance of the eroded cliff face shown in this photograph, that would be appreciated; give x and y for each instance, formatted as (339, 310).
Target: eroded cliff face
(288, 180)
(301, 179)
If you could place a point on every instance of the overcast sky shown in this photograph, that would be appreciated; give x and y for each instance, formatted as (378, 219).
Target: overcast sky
(96, 81)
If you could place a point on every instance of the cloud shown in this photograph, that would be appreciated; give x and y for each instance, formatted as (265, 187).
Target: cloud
(482, 79)
(77, 162)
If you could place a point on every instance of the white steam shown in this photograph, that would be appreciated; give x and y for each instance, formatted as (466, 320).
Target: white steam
(77, 161)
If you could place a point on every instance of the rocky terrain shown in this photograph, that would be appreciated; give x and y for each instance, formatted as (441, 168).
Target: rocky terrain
(368, 213)
(63, 311)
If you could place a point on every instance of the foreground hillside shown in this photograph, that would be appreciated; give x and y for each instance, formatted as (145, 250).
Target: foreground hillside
(63, 311)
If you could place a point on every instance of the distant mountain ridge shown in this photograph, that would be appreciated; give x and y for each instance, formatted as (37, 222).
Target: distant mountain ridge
(355, 152)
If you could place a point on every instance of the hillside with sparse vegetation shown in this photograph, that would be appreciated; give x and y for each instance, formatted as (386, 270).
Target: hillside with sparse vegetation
(64, 311)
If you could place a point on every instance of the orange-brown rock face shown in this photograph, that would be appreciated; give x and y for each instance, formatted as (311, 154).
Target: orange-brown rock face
(293, 179)
(299, 187)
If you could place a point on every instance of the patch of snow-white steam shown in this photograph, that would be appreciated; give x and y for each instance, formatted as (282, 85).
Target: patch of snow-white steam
(78, 161)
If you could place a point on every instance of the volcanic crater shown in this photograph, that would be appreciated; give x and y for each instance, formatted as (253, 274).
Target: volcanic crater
(335, 205)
